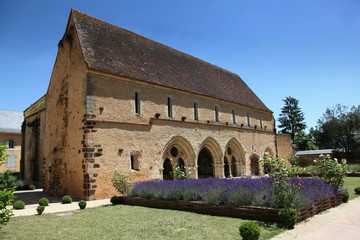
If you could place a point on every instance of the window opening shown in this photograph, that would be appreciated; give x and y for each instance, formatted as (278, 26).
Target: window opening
(170, 110)
(196, 113)
(137, 103)
(217, 114)
(233, 116)
(134, 162)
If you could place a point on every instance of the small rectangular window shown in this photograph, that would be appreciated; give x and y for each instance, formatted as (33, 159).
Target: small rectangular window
(137, 103)
(248, 120)
(233, 116)
(9, 143)
(217, 114)
(196, 112)
(11, 162)
(134, 162)
(261, 122)
(170, 107)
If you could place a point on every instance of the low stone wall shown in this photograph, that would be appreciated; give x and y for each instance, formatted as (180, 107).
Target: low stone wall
(245, 212)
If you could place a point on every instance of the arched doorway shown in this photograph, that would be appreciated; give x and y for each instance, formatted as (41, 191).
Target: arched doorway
(167, 169)
(178, 152)
(236, 158)
(254, 165)
(205, 164)
(226, 168)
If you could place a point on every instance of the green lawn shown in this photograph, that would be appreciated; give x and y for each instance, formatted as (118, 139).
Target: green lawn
(128, 222)
(350, 183)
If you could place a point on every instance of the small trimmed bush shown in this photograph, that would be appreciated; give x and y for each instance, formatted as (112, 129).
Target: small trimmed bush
(345, 196)
(288, 217)
(40, 209)
(66, 199)
(115, 200)
(19, 205)
(357, 190)
(32, 187)
(249, 230)
(82, 204)
(44, 201)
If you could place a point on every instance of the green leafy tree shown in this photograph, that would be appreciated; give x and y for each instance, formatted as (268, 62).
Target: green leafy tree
(304, 141)
(291, 118)
(339, 128)
(2, 154)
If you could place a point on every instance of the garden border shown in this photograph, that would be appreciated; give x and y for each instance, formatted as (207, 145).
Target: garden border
(245, 212)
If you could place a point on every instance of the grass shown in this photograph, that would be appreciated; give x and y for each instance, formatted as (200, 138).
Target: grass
(350, 183)
(351, 167)
(354, 167)
(128, 222)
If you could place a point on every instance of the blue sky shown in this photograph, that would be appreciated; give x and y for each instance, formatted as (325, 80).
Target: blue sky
(307, 49)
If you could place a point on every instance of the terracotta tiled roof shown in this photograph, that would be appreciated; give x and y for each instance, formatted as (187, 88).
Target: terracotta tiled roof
(111, 49)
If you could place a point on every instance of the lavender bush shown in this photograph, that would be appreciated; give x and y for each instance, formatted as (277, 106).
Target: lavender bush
(237, 192)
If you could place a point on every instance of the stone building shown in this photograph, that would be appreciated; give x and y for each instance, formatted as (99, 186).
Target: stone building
(119, 101)
(10, 135)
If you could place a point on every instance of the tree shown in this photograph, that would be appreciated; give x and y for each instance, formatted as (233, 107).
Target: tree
(2, 154)
(339, 128)
(291, 117)
(304, 141)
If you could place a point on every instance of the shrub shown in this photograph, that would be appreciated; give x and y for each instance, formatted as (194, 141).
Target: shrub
(288, 217)
(82, 204)
(357, 190)
(32, 187)
(40, 209)
(115, 200)
(19, 205)
(284, 189)
(8, 179)
(249, 230)
(6, 197)
(331, 171)
(345, 196)
(66, 199)
(178, 173)
(44, 201)
(120, 181)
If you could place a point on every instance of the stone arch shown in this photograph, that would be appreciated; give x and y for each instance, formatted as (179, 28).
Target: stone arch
(254, 165)
(235, 155)
(269, 152)
(214, 150)
(179, 152)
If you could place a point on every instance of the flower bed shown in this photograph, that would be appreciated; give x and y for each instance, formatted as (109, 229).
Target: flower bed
(233, 192)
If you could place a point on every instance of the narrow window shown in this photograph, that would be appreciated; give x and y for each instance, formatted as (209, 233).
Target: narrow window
(134, 162)
(261, 122)
(11, 162)
(9, 143)
(217, 114)
(196, 113)
(170, 110)
(233, 116)
(137, 103)
(248, 120)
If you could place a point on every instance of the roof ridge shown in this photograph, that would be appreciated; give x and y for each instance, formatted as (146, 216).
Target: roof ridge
(156, 42)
